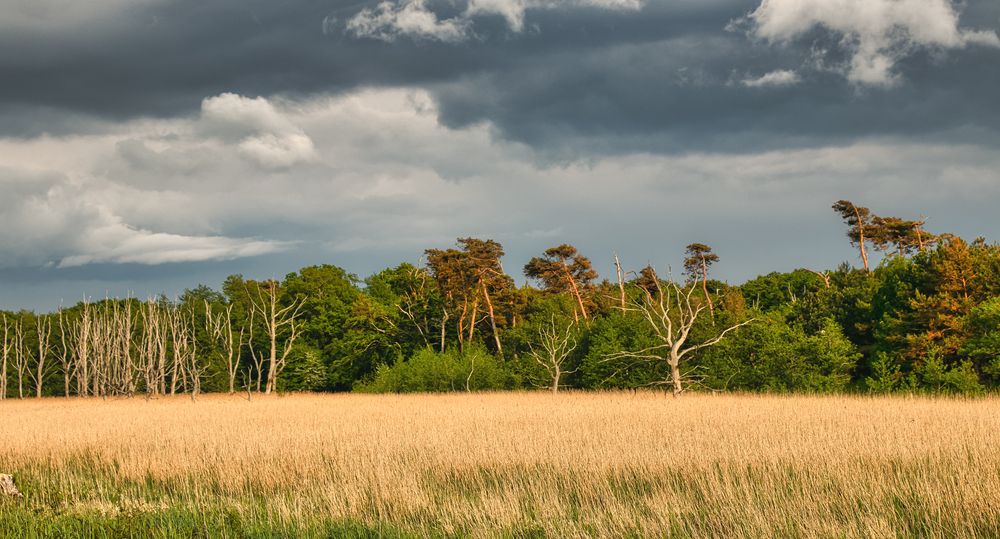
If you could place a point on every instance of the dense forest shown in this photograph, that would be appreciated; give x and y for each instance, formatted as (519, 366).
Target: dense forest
(925, 319)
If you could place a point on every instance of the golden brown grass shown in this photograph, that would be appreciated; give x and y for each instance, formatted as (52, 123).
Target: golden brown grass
(513, 464)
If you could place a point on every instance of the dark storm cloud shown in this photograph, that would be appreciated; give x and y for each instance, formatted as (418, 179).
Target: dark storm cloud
(666, 96)
(663, 78)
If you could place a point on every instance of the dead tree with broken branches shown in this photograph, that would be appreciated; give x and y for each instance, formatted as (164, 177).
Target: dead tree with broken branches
(43, 333)
(671, 312)
(5, 348)
(225, 343)
(554, 345)
(280, 322)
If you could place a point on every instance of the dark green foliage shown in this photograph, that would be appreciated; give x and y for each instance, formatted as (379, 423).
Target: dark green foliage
(539, 315)
(330, 294)
(771, 355)
(430, 371)
(885, 376)
(933, 376)
(305, 371)
(610, 335)
(775, 290)
(983, 345)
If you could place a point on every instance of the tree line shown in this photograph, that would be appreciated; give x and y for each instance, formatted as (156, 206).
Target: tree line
(924, 319)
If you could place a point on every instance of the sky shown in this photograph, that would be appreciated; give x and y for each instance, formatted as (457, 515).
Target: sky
(148, 146)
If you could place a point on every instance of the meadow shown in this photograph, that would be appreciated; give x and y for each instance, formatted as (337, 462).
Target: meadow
(502, 464)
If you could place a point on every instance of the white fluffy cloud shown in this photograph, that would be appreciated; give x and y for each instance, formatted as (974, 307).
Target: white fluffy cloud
(121, 198)
(264, 135)
(390, 20)
(116, 242)
(781, 77)
(53, 219)
(877, 32)
(409, 18)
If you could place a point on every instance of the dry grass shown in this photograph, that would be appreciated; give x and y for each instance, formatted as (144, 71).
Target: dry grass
(511, 464)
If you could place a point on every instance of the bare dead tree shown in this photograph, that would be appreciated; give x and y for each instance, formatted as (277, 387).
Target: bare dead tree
(670, 312)
(43, 332)
(417, 297)
(78, 330)
(21, 356)
(220, 327)
(4, 355)
(247, 384)
(257, 359)
(66, 356)
(102, 333)
(472, 370)
(620, 273)
(154, 343)
(111, 348)
(195, 367)
(556, 342)
(180, 340)
(822, 275)
(276, 318)
(128, 377)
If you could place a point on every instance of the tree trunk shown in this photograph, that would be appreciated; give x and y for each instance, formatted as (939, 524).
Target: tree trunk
(621, 280)
(704, 288)
(675, 375)
(444, 322)
(3, 361)
(675, 369)
(472, 321)
(273, 361)
(493, 321)
(861, 239)
(576, 290)
(461, 325)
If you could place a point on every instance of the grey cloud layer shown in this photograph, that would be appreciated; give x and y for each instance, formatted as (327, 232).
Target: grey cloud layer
(574, 75)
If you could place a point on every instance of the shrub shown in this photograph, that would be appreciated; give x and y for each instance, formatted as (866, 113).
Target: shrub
(431, 371)
(770, 355)
(935, 377)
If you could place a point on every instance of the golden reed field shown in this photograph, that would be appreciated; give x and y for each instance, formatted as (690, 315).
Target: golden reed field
(512, 464)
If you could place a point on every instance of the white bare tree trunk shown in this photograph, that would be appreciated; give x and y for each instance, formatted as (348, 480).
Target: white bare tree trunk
(671, 314)
(553, 347)
(276, 318)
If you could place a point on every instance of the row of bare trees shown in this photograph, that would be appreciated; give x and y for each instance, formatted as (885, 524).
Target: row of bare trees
(104, 349)
(127, 347)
